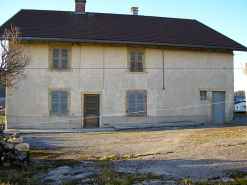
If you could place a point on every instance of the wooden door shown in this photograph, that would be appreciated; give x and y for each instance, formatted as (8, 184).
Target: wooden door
(91, 110)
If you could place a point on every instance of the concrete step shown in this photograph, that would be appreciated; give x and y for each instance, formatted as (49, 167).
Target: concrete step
(155, 125)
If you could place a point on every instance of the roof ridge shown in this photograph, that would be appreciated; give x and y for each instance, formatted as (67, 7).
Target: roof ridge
(110, 14)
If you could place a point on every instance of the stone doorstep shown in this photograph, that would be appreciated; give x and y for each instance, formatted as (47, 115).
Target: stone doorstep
(116, 128)
(156, 125)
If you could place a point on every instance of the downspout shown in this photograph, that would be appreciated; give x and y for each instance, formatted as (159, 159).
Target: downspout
(103, 85)
(80, 86)
(80, 70)
(6, 97)
(163, 70)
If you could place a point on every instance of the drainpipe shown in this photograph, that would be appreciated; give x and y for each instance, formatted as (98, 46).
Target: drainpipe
(163, 70)
(6, 125)
(103, 69)
(80, 71)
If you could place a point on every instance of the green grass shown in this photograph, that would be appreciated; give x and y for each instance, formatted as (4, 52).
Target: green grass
(17, 175)
(2, 120)
(111, 177)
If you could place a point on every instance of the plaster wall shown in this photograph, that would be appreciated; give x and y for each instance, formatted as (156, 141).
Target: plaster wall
(103, 70)
(244, 66)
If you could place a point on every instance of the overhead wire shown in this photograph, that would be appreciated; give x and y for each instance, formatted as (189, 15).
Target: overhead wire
(120, 114)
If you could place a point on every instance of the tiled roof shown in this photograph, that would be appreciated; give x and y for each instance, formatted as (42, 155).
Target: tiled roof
(118, 28)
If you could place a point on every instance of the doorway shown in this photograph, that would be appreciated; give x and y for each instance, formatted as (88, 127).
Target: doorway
(218, 107)
(91, 110)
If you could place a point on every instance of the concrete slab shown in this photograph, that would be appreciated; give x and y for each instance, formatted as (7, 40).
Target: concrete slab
(155, 125)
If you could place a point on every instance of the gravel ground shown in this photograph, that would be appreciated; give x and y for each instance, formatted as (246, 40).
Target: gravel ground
(194, 153)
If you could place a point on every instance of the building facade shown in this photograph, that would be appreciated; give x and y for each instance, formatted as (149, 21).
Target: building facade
(100, 70)
(102, 74)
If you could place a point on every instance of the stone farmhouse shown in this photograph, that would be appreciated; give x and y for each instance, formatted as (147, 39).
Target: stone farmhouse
(100, 70)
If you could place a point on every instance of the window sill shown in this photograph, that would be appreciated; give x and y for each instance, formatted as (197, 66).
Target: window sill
(60, 115)
(136, 115)
(135, 72)
(60, 70)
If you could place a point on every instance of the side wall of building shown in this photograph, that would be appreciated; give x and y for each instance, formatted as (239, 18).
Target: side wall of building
(244, 66)
(103, 70)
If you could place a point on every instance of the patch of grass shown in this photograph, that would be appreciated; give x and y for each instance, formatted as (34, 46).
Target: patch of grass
(43, 154)
(17, 175)
(241, 181)
(238, 174)
(240, 177)
(48, 156)
(187, 181)
(73, 182)
(2, 120)
(113, 157)
(111, 177)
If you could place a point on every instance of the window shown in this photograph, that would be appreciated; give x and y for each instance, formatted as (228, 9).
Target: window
(203, 95)
(59, 102)
(59, 58)
(136, 103)
(136, 61)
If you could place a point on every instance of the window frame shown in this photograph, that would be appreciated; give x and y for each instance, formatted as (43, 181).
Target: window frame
(129, 63)
(59, 102)
(203, 97)
(60, 58)
(136, 112)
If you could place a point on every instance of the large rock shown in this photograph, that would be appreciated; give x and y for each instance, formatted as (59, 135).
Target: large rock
(22, 147)
(1, 133)
(16, 140)
(9, 145)
(17, 155)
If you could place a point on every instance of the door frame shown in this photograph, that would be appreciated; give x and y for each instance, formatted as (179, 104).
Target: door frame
(83, 93)
(225, 107)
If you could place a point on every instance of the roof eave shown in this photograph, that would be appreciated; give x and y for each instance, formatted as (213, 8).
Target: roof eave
(127, 43)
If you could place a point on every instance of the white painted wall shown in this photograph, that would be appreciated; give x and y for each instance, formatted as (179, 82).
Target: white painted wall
(244, 66)
(186, 73)
(240, 107)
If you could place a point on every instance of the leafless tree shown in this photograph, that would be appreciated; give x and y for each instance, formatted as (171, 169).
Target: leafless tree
(13, 58)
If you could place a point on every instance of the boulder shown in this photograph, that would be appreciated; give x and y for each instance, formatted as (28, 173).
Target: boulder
(17, 155)
(24, 147)
(16, 140)
(1, 134)
(9, 145)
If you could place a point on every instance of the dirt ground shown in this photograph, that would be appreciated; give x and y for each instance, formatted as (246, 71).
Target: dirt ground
(185, 153)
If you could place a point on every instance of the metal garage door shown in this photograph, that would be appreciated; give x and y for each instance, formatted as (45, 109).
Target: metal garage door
(218, 108)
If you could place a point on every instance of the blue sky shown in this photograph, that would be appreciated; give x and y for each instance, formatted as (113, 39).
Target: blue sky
(229, 17)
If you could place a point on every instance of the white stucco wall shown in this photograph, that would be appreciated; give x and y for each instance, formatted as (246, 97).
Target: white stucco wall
(244, 66)
(186, 73)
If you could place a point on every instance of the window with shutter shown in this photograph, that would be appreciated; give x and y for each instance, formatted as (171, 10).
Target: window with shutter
(136, 103)
(54, 102)
(60, 58)
(63, 102)
(136, 61)
(59, 102)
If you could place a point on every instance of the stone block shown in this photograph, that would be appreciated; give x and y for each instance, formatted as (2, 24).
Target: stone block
(9, 145)
(24, 147)
(16, 140)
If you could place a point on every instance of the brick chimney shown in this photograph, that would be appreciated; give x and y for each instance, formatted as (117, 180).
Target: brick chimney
(80, 6)
(134, 10)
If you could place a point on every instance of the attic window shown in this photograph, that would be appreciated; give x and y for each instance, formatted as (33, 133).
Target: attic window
(136, 61)
(59, 58)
